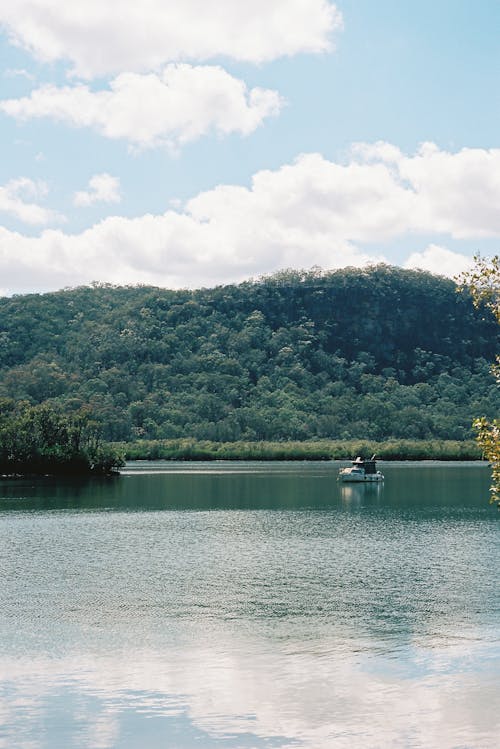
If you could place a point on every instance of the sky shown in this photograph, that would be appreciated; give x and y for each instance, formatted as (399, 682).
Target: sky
(212, 141)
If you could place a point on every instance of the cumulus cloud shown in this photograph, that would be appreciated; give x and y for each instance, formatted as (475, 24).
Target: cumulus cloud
(174, 250)
(454, 193)
(440, 260)
(311, 212)
(103, 188)
(16, 199)
(102, 38)
(171, 108)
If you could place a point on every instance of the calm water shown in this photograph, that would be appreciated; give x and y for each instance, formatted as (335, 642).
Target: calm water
(248, 606)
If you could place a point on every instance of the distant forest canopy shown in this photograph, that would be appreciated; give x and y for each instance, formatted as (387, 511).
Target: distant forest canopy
(372, 353)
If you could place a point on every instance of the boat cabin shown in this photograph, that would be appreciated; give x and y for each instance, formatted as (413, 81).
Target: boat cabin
(370, 466)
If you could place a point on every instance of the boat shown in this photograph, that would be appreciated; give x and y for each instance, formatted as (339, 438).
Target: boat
(360, 470)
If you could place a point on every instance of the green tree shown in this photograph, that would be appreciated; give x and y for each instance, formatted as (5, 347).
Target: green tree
(41, 440)
(379, 352)
(483, 282)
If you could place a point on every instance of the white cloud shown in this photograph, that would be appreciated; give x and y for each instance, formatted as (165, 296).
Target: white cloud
(103, 188)
(453, 193)
(179, 105)
(311, 212)
(102, 38)
(15, 197)
(246, 238)
(440, 260)
(18, 73)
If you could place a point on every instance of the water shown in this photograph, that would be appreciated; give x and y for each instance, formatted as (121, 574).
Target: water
(248, 606)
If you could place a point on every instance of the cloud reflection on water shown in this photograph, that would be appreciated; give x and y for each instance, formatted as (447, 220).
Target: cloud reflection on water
(232, 689)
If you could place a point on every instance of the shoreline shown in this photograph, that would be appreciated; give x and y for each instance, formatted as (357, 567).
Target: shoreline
(191, 450)
(321, 450)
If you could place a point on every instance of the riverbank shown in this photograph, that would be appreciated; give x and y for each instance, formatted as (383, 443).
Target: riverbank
(189, 449)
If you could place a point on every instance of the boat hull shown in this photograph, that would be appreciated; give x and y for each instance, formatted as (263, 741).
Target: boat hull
(353, 479)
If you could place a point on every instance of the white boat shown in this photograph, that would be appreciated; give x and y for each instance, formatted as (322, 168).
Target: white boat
(361, 471)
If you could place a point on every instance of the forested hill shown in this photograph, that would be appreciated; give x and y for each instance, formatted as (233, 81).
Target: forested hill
(382, 352)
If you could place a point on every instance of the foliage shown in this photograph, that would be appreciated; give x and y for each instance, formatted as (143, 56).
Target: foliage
(40, 440)
(483, 282)
(188, 449)
(379, 354)
(488, 437)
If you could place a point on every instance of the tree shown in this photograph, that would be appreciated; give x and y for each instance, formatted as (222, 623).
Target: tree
(41, 440)
(380, 352)
(483, 283)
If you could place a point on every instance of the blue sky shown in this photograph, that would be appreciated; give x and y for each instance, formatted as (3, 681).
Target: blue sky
(189, 148)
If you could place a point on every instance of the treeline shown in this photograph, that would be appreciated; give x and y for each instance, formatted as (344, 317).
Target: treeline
(39, 440)
(188, 449)
(377, 354)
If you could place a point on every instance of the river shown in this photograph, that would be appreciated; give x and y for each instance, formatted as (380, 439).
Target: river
(250, 605)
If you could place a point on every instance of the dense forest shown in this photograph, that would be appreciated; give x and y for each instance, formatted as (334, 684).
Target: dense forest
(376, 354)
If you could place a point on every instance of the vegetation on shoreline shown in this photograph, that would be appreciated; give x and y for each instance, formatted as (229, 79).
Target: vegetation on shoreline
(188, 449)
(38, 440)
(298, 366)
(483, 282)
(380, 353)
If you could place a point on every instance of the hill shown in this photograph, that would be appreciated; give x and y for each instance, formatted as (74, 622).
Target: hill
(377, 353)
